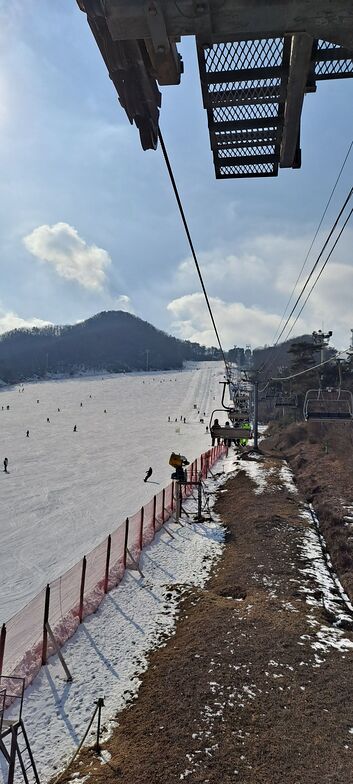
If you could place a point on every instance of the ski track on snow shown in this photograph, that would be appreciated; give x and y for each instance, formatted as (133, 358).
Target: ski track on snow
(67, 491)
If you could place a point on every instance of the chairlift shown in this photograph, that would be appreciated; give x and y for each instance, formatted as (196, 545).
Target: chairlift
(326, 405)
(284, 400)
(228, 433)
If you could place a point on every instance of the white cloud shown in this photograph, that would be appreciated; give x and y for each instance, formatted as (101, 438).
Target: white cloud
(226, 273)
(61, 246)
(250, 290)
(10, 320)
(236, 323)
(123, 302)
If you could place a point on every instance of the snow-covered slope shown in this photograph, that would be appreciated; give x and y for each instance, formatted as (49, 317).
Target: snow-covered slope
(66, 491)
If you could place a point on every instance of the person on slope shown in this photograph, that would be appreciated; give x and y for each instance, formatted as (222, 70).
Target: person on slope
(215, 424)
(148, 474)
(6, 462)
(245, 426)
(227, 441)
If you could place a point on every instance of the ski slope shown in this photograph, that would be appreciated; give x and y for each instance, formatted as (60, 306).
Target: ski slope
(66, 491)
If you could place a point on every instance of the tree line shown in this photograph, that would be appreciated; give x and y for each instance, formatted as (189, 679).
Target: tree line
(113, 341)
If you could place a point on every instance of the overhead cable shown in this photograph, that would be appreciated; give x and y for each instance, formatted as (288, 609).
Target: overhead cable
(315, 264)
(320, 273)
(314, 238)
(325, 362)
(193, 252)
(266, 365)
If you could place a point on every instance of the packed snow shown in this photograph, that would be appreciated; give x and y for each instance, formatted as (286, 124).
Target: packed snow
(108, 653)
(65, 490)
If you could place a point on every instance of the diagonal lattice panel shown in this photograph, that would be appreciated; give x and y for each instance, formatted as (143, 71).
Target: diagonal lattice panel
(332, 61)
(244, 89)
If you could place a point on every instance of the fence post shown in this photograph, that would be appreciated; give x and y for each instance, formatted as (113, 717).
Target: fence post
(199, 498)
(126, 540)
(154, 512)
(2, 646)
(141, 526)
(82, 588)
(107, 563)
(163, 506)
(45, 621)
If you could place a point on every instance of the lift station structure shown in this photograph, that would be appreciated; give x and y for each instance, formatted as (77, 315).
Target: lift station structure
(257, 60)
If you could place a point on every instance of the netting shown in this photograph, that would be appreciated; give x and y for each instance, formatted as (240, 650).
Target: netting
(22, 653)
(79, 591)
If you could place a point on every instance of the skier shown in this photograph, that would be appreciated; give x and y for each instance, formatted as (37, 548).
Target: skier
(148, 474)
(75, 428)
(6, 462)
(48, 420)
(27, 434)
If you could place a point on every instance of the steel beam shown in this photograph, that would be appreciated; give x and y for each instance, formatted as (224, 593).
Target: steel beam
(299, 67)
(244, 74)
(243, 97)
(243, 125)
(244, 160)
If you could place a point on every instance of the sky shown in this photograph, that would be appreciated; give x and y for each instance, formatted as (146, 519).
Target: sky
(88, 221)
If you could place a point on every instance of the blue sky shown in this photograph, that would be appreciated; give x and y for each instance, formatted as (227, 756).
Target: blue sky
(88, 221)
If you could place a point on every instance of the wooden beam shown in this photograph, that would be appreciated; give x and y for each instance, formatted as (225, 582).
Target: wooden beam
(331, 19)
(299, 67)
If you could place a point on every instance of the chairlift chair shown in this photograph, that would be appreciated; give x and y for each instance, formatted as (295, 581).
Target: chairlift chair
(228, 433)
(286, 401)
(327, 405)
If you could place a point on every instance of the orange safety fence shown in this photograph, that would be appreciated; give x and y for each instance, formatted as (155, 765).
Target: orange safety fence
(65, 602)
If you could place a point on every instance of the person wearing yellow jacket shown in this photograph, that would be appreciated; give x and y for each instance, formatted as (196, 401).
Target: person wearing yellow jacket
(245, 426)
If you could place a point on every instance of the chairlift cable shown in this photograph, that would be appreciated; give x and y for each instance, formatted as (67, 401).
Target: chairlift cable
(313, 367)
(314, 238)
(193, 252)
(315, 264)
(267, 365)
(320, 273)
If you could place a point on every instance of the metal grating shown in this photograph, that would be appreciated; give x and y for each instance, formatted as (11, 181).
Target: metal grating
(333, 69)
(258, 170)
(244, 88)
(332, 61)
(233, 55)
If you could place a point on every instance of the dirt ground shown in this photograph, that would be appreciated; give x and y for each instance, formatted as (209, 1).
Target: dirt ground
(321, 457)
(256, 685)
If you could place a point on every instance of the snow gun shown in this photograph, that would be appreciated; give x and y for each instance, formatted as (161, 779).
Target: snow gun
(178, 462)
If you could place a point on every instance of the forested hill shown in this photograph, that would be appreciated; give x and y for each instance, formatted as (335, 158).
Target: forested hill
(114, 341)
